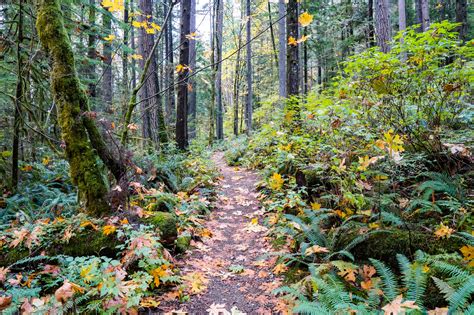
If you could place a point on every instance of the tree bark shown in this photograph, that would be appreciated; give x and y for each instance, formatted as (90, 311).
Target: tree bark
(18, 98)
(282, 44)
(237, 75)
(91, 51)
(170, 93)
(70, 100)
(293, 68)
(402, 18)
(370, 18)
(383, 28)
(107, 69)
(213, 73)
(461, 17)
(153, 127)
(182, 106)
(425, 14)
(192, 81)
(248, 104)
(218, 82)
(125, 78)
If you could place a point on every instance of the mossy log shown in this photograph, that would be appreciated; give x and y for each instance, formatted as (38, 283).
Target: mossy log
(167, 224)
(183, 242)
(85, 170)
(385, 246)
(86, 243)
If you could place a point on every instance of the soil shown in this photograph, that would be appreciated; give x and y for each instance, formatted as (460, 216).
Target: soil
(237, 241)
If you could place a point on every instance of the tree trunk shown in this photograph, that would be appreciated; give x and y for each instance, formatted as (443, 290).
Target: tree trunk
(282, 44)
(371, 31)
(152, 112)
(125, 79)
(70, 100)
(192, 81)
(383, 29)
(272, 33)
(18, 98)
(425, 14)
(182, 106)
(218, 82)
(91, 51)
(170, 93)
(292, 50)
(461, 17)
(248, 104)
(237, 80)
(107, 55)
(402, 19)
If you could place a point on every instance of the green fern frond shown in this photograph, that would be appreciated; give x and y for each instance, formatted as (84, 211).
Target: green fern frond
(311, 308)
(458, 300)
(389, 282)
(444, 287)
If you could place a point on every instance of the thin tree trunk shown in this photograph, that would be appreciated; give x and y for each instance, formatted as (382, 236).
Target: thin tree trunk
(402, 22)
(70, 100)
(192, 82)
(91, 51)
(419, 15)
(370, 15)
(425, 13)
(218, 82)
(383, 29)
(272, 33)
(248, 105)
(182, 106)
(125, 83)
(107, 55)
(282, 43)
(152, 111)
(292, 50)
(170, 93)
(213, 72)
(237, 81)
(461, 17)
(402, 19)
(18, 98)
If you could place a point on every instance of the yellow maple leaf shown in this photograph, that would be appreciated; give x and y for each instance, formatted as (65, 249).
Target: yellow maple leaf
(191, 36)
(292, 41)
(113, 5)
(254, 221)
(276, 181)
(136, 57)
(158, 273)
(197, 282)
(280, 268)
(149, 302)
(86, 274)
(315, 206)
(468, 254)
(443, 231)
(109, 38)
(46, 161)
(155, 26)
(150, 31)
(89, 223)
(305, 19)
(303, 39)
(315, 249)
(108, 229)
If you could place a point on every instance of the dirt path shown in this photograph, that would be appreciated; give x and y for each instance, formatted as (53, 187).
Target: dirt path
(229, 260)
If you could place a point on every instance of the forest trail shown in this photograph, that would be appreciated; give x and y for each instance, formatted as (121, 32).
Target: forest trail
(230, 262)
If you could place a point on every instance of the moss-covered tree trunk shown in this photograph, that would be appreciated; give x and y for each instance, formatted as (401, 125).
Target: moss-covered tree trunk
(70, 100)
